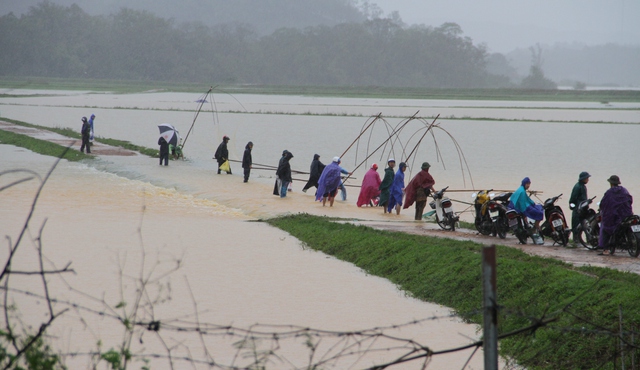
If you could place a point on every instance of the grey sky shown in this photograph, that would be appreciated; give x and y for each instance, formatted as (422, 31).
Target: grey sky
(508, 24)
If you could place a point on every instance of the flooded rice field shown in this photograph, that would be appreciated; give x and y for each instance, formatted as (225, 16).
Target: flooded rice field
(123, 218)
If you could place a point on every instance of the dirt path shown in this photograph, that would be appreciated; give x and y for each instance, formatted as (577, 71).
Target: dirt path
(577, 256)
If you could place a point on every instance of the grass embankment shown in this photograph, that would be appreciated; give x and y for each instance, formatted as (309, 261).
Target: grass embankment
(584, 301)
(121, 86)
(76, 135)
(41, 146)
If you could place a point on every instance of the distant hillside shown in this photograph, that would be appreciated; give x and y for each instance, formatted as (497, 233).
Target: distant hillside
(264, 16)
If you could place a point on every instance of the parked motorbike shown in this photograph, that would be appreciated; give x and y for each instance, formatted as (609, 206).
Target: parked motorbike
(491, 212)
(588, 230)
(517, 226)
(627, 236)
(555, 224)
(445, 216)
(498, 207)
(482, 221)
(522, 229)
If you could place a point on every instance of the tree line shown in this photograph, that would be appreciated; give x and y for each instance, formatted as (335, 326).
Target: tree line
(65, 42)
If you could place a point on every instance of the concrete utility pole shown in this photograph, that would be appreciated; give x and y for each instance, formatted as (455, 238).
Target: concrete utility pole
(490, 340)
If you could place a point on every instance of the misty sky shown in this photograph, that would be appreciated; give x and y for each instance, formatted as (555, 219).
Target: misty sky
(508, 24)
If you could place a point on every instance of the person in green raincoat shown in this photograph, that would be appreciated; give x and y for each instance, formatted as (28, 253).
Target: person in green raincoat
(578, 194)
(385, 185)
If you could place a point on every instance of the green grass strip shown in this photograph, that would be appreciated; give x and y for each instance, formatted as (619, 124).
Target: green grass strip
(68, 132)
(41, 146)
(584, 301)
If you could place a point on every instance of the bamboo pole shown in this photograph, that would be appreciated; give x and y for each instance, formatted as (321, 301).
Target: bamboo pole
(395, 132)
(423, 135)
(196, 116)
(362, 133)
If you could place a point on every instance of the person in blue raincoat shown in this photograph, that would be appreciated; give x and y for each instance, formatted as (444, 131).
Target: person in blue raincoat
(521, 202)
(397, 189)
(93, 116)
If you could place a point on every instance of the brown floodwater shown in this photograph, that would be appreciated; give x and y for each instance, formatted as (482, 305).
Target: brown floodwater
(124, 217)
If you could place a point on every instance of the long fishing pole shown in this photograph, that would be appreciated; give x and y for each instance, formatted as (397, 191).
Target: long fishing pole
(362, 133)
(423, 135)
(384, 143)
(259, 166)
(202, 101)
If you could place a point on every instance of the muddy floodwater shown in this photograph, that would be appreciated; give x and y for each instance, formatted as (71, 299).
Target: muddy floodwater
(192, 234)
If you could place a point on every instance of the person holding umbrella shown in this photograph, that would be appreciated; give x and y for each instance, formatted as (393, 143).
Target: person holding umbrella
(222, 155)
(168, 136)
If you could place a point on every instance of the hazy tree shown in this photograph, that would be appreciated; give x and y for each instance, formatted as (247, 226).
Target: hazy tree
(536, 78)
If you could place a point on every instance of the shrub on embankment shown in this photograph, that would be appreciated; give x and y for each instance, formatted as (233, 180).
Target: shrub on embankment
(585, 301)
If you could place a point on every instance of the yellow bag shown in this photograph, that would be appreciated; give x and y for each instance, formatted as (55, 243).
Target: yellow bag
(226, 167)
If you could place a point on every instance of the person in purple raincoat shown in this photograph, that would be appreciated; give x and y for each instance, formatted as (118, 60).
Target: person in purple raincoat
(329, 182)
(615, 206)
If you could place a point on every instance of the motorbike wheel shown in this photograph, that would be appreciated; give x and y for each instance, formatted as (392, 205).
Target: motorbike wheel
(482, 228)
(594, 234)
(562, 237)
(502, 226)
(446, 223)
(632, 243)
(579, 238)
(584, 234)
(522, 236)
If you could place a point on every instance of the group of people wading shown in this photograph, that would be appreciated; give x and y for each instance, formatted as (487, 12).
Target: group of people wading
(389, 192)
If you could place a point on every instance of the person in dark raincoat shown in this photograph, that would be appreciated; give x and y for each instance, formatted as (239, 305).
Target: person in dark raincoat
(329, 182)
(419, 189)
(315, 171)
(222, 153)
(578, 194)
(247, 161)
(284, 173)
(276, 186)
(397, 189)
(615, 206)
(386, 183)
(85, 131)
(164, 151)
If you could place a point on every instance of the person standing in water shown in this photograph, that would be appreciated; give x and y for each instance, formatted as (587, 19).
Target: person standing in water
(85, 131)
(397, 189)
(164, 151)
(93, 116)
(386, 183)
(419, 189)
(315, 170)
(329, 182)
(370, 188)
(247, 161)
(284, 173)
(222, 153)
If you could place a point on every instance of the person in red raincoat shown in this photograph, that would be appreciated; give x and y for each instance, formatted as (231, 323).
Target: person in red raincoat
(370, 187)
(418, 189)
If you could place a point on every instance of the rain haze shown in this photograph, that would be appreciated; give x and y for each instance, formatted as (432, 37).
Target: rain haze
(506, 25)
